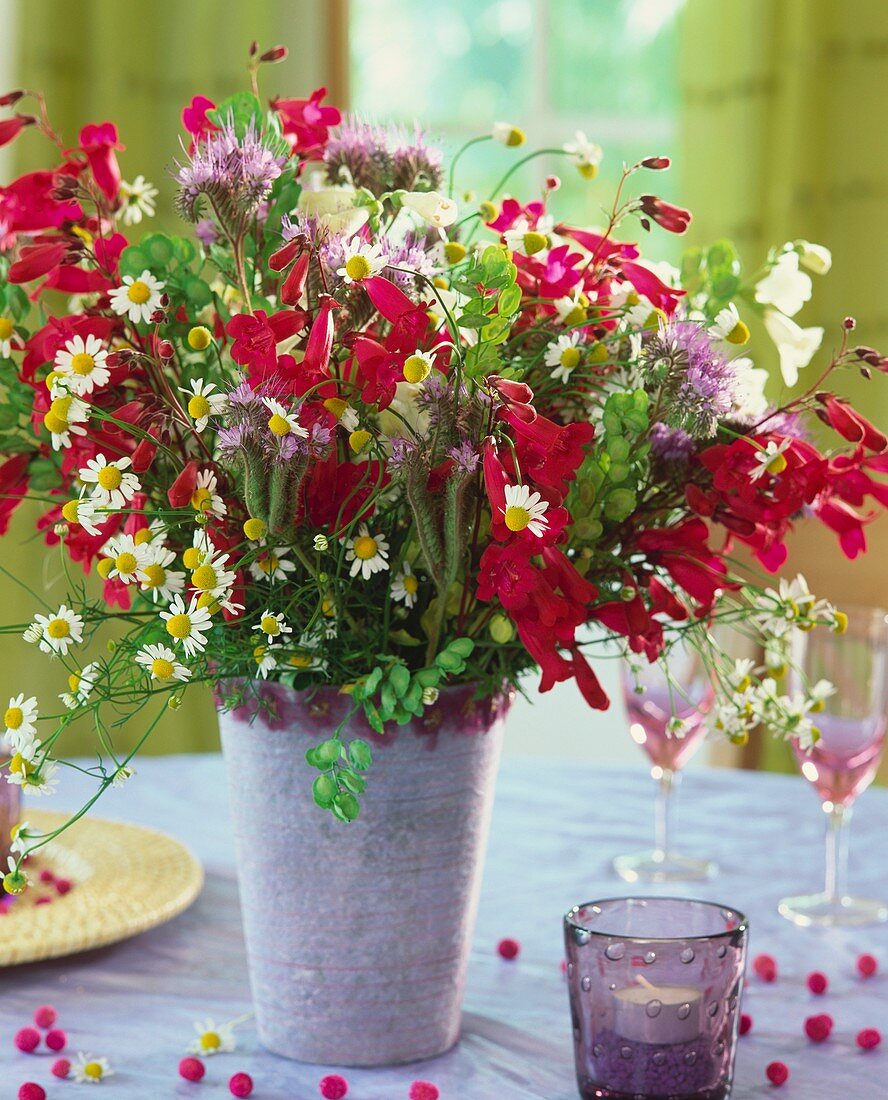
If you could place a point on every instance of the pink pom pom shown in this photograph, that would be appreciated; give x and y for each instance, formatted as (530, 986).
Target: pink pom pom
(333, 1087)
(818, 1028)
(423, 1090)
(61, 1067)
(31, 1091)
(27, 1039)
(818, 983)
(777, 1073)
(869, 1038)
(765, 967)
(62, 886)
(241, 1084)
(45, 1016)
(745, 1023)
(508, 948)
(867, 965)
(192, 1069)
(56, 1039)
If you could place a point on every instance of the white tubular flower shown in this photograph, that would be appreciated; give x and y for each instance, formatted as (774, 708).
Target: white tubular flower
(784, 287)
(795, 345)
(137, 298)
(82, 364)
(114, 488)
(815, 258)
(433, 208)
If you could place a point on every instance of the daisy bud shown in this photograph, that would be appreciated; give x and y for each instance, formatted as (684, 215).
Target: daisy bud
(254, 48)
(507, 134)
(199, 338)
(158, 317)
(430, 696)
(254, 529)
(416, 368)
(165, 350)
(321, 543)
(501, 628)
(15, 883)
(489, 211)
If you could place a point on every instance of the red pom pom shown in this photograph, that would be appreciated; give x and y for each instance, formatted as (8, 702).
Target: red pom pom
(333, 1086)
(765, 967)
(45, 1016)
(818, 983)
(61, 1067)
(46, 875)
(56, 1039)
(192, 1069)
(869, 1038)
(564, 966)
(62, 885)
(818, 1028)
(867, 965)
(745, 1023)
(44, 899)
(508, 948)
(30, 1091)
(423, 1090)
(27, 1039)
(241, 1084)
(777, 1073)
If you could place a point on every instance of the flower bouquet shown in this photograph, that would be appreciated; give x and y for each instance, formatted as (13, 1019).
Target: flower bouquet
(361, 454)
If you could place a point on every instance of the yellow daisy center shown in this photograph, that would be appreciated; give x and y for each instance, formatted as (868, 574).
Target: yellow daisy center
(534, 242)
(411, 584)
(104, 567)
(739, 334)
(270, 625)
(74, 681)
(125, 563)
(191, 557)
(199, 338)
(208, 601)
(69, 511)
(454, 251)
(357, 268)
(93, 1070)
(279, 425)
(58, 628)
(259, 653)
(201, 499)
(300, 660)
(204, 578)
(179, 626)
(161, 668)
(268, 565)
(576, 315)
(6, 328)
(155, 576)
(517, 518)
(210, 1041)
(777, 464)
(365, 548)
(138, 292)
(198, 407)
(82, 363)
(255, 529)
(19, 765)
(142, 536)
(109, 477)
(328, 607)
(358, 440)
(14, 718)
(336, 406)
(416, 368)
(570, 357)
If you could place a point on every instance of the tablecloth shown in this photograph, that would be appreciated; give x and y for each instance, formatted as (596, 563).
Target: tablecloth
(554, 831)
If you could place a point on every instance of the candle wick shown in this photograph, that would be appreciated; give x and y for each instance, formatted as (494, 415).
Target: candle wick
(640, 978)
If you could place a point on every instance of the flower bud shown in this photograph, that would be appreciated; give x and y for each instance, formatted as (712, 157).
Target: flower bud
(321, 543)
(276, 53)
(656, 164)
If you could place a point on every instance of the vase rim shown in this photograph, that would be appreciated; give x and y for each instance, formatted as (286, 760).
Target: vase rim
(571, 920)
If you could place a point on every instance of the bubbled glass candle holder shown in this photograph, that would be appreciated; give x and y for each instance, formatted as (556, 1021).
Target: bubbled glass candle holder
(655, 987)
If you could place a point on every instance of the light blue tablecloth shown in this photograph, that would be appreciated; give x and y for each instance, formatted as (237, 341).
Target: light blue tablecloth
(554, 830)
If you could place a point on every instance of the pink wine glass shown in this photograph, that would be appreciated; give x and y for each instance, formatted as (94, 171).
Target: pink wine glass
(676, 688)
(844, 761)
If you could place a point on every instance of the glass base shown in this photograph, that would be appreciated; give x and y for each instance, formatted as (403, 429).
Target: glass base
(823, 911)
(659, 866)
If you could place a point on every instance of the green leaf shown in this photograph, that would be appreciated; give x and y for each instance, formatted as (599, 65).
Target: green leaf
(197, 291)
(354, 782)
(373, 717)
(399, 677)
(240, 109)
(158, 248)
(428, 677)
(311, 758)
(388, 700)
(373, 681)
(403, 637)
(473, 320)
(359, 754)
(450, 662)
(324, 790)
(509, 300)
(328, 752)
(463, 646)
(347, 805)
(133, 261)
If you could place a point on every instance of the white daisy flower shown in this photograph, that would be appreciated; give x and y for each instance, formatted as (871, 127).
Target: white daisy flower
(203, 402)
(283, 421)
(585, 154)
(187, 625)
(86, 513)
(157, 578)
(525, 510)
(7, 337)
(19, 840)
(205, 497)
(202, 549)
(272, 565)
(211, 577)
(36, 776)
(91, 1071)
(212, 1038)
(114, 488)
(66, 416)
(137, 298)
(507, 134)
(367, 553)
(80, 685)
(128, 558)
(306, 657)
(138, 200)
(769, 459)
(362, 260)
(162, 663)
(266, 660)
(564, 355)
(56, 633)
(21, 718)
(405, 586)
(82, 364)
(273, 625)
(570, 309)
(726, 324)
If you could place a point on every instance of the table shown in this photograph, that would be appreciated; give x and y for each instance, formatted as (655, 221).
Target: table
(554, 830)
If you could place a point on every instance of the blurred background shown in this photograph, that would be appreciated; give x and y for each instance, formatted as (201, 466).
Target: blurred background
(769, 110)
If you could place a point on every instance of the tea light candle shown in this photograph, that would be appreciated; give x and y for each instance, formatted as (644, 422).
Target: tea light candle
(647, 1013)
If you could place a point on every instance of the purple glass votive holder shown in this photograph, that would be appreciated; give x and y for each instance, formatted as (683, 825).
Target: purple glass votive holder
(655, 987)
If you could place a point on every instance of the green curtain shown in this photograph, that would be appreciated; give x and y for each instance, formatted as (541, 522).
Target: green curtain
(137, 65)
(782, 138)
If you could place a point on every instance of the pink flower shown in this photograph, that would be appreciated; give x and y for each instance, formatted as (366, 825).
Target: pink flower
(194, 117)
(306, 124)
(98, 140)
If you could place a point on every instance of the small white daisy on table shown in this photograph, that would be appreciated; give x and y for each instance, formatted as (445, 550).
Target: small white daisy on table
(162, 663)
(564, 355)
(56, 633)
(158, 579)
(367, 553)
(206, 498)
(187, 625)
(114, 487)
(137, 298)
(525, 510)
(80, 685)
(361, 260)
(203, 402)
(82, 364)
(128, 559)
(91, 1071)
(212, 1038)
(138, 200)
(273, 565)
(273, 625)
(283, 421)
(405, 586)
(21, 718)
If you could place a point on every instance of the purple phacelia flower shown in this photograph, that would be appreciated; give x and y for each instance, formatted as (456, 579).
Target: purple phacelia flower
(697, 383)
(465, 457)
(671, 444)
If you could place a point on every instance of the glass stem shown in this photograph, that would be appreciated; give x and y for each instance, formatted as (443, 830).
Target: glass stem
(667, 781)
(837, 852)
